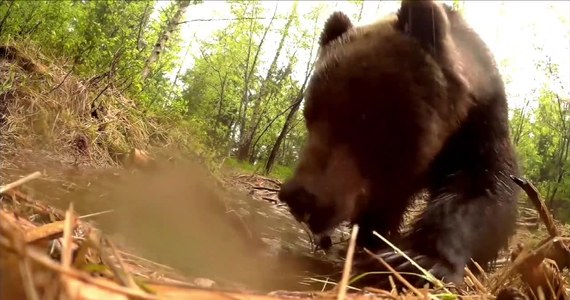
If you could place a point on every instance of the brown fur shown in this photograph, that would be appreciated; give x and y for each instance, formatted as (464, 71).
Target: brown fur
(389, 108)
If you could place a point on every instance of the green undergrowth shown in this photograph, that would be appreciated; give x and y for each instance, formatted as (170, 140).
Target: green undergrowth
(46, 108)
(279, 172)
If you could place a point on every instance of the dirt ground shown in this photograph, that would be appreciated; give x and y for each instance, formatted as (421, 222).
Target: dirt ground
(225, 232)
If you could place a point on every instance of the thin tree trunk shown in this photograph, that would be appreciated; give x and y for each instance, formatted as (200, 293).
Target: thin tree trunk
(273, 154)
(173, 23)
(25, 23)
(243, 150)
(221, 100)
(265, 87)
(561, 164)
(286, 74)
(360, 12)
(517, 134)
(8, 12)
(290, 116)
(565, 145)
(243, 103)
(180, 69)
(142, 24)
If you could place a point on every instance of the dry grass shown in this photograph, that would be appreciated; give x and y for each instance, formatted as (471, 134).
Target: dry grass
(78, 122)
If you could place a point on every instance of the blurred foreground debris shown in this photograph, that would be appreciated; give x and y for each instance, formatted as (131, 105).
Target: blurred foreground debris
(67, 258)
(540, 268)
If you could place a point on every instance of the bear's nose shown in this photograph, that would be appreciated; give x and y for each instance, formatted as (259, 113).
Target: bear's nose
(297, 197)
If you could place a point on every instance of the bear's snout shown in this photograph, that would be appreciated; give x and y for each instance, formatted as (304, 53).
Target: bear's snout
(298, 198)
(307, 208)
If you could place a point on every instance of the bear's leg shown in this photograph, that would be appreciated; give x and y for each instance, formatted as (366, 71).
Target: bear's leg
(384, 219)
(460, 223)
(472, 208)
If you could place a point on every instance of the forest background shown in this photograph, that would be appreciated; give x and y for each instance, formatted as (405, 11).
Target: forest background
(224, 80)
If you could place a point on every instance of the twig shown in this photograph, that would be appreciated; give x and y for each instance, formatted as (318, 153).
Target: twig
(384, 293)
(44, 260)
(81, 254)
(28, 279)
(146, 260)
(95, 214)
(66, 255)
(536, 199)
(347, 264)
(520, 260)
(274, 181)
(480, 269)
(431, 278)
(19, 182)
(273, 201)
(127, 279)
(395, 273)
(265, 188)
(106, 259)
(64, 78)
(227, 19)
(309, 235)
(476, 281)
(333, 283)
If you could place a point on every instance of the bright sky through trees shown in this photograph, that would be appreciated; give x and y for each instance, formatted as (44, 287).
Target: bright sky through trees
(519, 33)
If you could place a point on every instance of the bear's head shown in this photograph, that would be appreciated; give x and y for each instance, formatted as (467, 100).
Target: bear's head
(372, 85)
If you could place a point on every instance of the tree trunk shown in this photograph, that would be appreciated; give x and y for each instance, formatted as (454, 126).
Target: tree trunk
(360, 11)
(562, 157)
(245, 95)
(290, 116)
(275, 149)
(160, 45)
(561, 164)
(518, 130)
(141, 44)
(243, 146)
(285, 75)
(296, 103)
(256, 116)
(179, 69)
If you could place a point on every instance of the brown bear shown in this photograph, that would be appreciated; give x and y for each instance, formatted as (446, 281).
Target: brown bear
(411, 102)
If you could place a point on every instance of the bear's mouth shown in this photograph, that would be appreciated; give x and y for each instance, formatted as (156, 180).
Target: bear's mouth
(321, 222)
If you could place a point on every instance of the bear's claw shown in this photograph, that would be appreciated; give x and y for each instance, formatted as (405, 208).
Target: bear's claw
(437, 267)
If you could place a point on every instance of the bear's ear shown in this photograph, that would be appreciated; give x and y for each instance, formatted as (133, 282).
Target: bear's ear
(424, 20)
(335, 26)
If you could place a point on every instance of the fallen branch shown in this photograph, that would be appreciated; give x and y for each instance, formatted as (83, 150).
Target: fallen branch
(535, 198)
(539, 268)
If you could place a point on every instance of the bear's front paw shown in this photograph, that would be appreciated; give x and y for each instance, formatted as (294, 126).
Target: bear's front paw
(440, 268)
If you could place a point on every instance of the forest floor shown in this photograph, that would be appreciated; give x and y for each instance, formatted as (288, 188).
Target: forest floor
(85, 215)
(137, 232)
